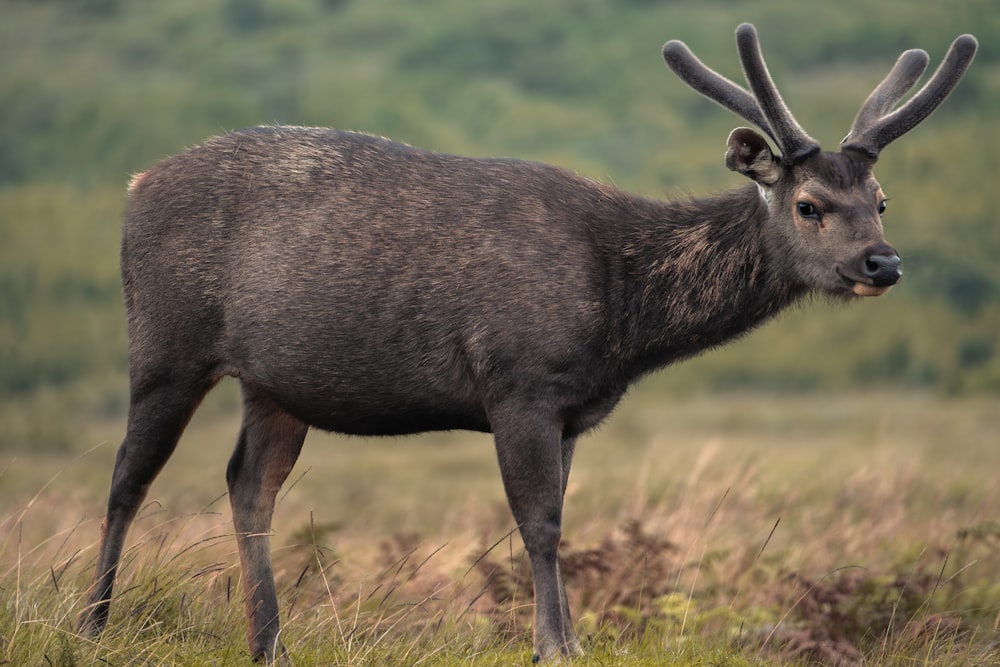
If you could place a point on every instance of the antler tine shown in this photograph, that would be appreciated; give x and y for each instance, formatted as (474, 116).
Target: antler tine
(874, 129)
(898, 81)
(713, 85)
(795, 144)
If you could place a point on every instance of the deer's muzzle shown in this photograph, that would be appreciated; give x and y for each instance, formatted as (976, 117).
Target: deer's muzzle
(873, 272)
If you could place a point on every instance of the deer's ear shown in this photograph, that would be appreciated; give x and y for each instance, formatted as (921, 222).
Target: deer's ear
(749, 154)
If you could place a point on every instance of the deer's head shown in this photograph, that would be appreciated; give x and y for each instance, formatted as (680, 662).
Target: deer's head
(825, 207)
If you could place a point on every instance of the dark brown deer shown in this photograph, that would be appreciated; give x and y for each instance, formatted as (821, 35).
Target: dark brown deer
(363, 286)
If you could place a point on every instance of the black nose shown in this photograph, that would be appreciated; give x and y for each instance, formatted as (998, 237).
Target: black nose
(884, 270)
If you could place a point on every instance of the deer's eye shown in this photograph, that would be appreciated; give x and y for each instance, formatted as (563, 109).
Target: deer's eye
(807, 210)
(881, 207)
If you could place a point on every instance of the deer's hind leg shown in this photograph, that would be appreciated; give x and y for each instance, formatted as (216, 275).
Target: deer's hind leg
(160, 405)
(269, 444)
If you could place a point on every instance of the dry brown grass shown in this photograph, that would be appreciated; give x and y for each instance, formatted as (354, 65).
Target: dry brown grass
(844, 532)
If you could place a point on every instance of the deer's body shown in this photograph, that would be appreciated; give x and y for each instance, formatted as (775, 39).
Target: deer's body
(363, 286)
(369, 307)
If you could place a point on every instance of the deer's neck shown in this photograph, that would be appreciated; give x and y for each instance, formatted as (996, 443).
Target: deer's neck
(695, 274)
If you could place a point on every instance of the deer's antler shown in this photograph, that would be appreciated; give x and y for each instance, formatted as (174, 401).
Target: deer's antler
(876, 125)
(795, 144)
(763, 107)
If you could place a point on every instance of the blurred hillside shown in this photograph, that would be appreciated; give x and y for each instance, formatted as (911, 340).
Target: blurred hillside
(92, 91)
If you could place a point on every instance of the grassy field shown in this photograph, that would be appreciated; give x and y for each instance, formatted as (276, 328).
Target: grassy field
(840, 526)
(718, 530)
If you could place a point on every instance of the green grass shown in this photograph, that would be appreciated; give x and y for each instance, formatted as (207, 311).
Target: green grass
(717, 530)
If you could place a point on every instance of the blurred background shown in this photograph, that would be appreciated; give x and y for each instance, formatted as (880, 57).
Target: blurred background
(92, 91)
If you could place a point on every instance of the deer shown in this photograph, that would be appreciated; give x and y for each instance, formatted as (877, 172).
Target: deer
(362, 286)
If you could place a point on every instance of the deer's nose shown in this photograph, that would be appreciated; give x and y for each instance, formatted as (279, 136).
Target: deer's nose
(883, 270)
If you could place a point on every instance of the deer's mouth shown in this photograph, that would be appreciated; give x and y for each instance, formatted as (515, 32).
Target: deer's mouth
(861, 287)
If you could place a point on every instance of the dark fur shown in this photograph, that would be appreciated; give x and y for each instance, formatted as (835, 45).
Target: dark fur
(424, 309)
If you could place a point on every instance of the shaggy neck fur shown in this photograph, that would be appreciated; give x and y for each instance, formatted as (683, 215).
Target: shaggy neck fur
(695, 274)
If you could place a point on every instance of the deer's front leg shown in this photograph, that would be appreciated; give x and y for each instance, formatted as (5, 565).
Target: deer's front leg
(530, 453)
